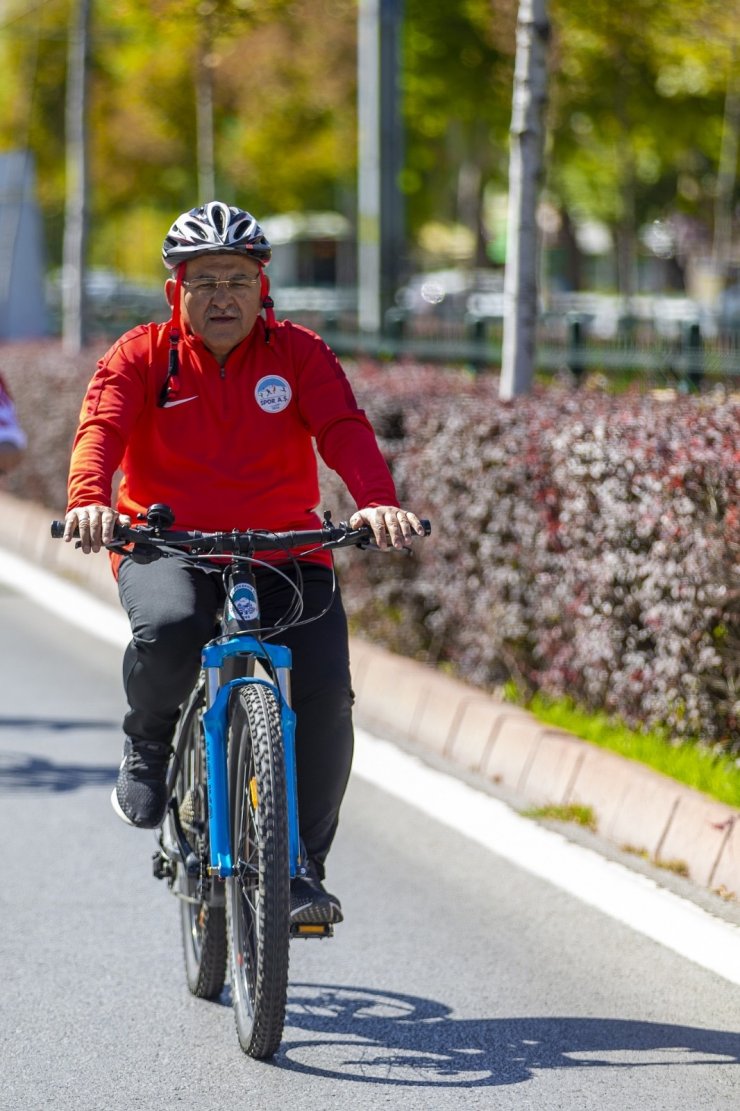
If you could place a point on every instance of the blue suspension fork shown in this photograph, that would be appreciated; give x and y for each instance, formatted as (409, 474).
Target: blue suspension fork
(215, 725)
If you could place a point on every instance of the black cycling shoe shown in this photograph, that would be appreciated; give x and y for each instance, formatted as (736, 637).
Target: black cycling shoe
(139, 797)
(310, 903)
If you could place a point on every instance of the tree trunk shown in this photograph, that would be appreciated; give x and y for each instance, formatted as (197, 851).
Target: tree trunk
(381, 217)
(573, 264)
(625, 231)
(525, 176)
(471, 191)
(74, 323)
(727, 171)
(206, 155)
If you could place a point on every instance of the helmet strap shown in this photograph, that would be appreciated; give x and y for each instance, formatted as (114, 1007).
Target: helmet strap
(171, 385)
(267, 304)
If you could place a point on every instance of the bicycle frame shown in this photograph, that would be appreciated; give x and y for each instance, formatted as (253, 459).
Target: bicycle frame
(241, 642)
(215, 726)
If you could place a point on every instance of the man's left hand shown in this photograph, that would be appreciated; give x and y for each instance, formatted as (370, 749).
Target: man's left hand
(390, 525)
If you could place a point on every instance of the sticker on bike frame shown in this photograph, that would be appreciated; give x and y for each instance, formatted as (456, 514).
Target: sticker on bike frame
(273, 393)
(243, 601)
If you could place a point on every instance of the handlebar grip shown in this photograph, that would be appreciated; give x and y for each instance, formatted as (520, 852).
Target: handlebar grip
(426, 524)
(57, 531)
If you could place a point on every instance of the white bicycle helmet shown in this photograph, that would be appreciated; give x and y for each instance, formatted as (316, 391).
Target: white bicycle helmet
(212, 229)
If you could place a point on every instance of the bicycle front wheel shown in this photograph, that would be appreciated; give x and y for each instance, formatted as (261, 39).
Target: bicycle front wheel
(258, 896)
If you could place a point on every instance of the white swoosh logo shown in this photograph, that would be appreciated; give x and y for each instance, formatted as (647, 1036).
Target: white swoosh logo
(180, 401)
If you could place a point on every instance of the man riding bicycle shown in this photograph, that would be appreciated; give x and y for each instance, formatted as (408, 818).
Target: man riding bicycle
(214, 413)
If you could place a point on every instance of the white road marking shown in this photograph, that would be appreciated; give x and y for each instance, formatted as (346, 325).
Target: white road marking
(629, 897)
(65, 599)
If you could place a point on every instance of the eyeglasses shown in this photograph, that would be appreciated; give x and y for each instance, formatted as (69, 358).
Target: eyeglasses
(206, 287)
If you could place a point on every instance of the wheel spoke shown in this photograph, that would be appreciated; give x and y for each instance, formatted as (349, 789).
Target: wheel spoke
(203, 924)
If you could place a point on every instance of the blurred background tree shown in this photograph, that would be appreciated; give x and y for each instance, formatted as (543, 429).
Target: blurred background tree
(638, 97)
(459, 64)
(284, 130)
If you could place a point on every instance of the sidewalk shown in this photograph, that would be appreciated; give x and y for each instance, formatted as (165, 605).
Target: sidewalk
(473, 732)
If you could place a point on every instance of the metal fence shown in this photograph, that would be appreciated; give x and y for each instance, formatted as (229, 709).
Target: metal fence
(677, 346)
(660, 340)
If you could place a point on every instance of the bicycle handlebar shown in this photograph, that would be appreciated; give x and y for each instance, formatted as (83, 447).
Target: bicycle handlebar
(236, 542)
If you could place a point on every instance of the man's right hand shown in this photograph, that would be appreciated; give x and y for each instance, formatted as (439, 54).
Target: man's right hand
(95, 524)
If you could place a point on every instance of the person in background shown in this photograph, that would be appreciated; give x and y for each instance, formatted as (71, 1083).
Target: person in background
(12, 436)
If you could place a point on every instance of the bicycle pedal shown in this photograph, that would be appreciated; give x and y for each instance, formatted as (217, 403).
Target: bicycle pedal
(162, 867)
(306, 929)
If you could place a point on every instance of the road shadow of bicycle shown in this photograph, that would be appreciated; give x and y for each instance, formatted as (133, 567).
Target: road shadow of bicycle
(379, 1037)
(20, 772)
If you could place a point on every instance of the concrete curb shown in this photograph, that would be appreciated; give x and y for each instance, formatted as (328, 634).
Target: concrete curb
(475, 733)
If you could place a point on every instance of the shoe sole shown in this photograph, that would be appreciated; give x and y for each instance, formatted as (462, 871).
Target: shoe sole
(117, 808)
(129, 821)
(328, 914)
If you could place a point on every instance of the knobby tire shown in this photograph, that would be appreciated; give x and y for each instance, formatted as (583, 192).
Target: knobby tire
(258, 896)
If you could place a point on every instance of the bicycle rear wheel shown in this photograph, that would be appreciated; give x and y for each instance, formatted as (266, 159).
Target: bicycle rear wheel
(203, 923)
(258, 896)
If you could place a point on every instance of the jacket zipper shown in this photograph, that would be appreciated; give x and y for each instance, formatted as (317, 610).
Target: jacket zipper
(225, 400)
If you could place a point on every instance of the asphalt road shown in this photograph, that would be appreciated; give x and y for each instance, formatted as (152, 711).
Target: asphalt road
(457, 980)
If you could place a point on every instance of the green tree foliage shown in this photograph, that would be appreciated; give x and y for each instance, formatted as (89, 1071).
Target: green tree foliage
(637, 101)
(287, 91)
(283, 110)
(458, 67)
(636, 105)
(33, 63)
(278, 80)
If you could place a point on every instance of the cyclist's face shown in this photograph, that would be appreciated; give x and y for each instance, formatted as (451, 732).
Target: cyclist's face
(222, 316)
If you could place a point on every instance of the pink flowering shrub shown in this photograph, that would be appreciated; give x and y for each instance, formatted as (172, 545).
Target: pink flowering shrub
(583, 544)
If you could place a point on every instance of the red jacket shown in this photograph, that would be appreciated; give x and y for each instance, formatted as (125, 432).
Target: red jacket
(233, 448)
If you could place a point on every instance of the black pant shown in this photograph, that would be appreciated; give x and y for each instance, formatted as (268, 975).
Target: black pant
(172, 607)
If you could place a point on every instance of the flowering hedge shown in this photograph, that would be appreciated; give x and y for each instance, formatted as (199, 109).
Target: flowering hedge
(584, 544)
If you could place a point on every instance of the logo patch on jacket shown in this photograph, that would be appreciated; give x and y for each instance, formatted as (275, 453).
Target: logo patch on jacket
(273, 393)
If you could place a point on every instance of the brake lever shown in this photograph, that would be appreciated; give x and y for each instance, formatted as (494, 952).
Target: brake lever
(365, 543)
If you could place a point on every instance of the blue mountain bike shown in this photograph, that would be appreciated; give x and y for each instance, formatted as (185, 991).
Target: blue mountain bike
(229, 844)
